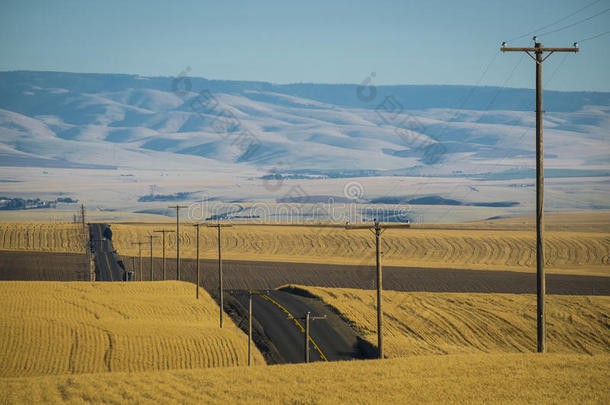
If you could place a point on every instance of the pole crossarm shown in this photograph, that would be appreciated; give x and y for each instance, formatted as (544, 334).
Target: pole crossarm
(541, 49)
(219, 225)
(372, 226)
(311, 318)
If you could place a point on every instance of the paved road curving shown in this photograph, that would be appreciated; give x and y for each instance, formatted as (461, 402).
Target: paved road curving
(107, 266)
(331, 339)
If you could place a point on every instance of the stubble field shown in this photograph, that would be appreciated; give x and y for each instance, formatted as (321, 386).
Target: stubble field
(456, 323)
(477, 249)
(50, 328)
(513, 378)
(44, 237)
(575, 243)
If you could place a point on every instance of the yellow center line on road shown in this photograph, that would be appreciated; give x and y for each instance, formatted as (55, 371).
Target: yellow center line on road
(268, 298)
(109, 269)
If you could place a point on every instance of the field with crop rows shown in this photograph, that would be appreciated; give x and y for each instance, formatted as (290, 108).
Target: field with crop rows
(515, 378)
(49, 328)
(575, 243)
(566, 252)
(46, 237)
(451, 323)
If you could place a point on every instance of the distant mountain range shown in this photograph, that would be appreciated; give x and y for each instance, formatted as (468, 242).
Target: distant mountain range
(57, 119)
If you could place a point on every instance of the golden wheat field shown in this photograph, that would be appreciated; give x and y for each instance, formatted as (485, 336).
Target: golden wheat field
(508, 378)
(575, 243)
(49, 328)
(514, 250)
(46, 237)
(452, 323)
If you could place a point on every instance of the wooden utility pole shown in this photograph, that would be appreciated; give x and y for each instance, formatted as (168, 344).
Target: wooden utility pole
(177, 207)
(538, 50)
(163, 231)
(250, 328)
(250, 294)
(133, 266)
(220, 288)
(378, 229)
(140, 256)
(86, 241)
(197, 277)
(309, 318)
(150, 240)
(82, 215)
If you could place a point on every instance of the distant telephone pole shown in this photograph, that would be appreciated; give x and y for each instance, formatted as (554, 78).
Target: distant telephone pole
(538, 50)
(197, 245)
(140, 256)
(220, 292)
(86, 241)
(378, 229)
(177, 207)
(163, 231)
(250, 294)
(150, 240)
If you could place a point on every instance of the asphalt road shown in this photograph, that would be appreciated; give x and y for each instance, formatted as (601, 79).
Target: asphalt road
(106, 260)
(331, 339)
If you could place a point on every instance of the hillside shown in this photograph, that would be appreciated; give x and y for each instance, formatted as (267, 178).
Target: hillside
(107, 139)
(51, 328)
(515, 378)
(455, 323)
(479, 249)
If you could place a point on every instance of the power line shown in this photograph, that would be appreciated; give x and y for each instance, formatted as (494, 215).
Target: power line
(555, 22)
(575, 23)
(457, 112)
(491, 102)
(506, 155)
(594, 37)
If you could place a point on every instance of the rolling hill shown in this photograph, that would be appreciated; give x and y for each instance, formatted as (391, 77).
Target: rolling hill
(51, 328)
(110, 140)
(458, 323)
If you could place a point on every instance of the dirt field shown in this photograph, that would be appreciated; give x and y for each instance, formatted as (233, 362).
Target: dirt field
(42, 266)
(51, 328)
(515, 378)
(239, 275)
(451, 323)
(242, 275)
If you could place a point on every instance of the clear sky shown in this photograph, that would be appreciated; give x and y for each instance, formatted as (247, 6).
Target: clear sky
(403, 42)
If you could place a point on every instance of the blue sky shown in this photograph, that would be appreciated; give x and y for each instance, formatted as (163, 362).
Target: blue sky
(403, 42)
